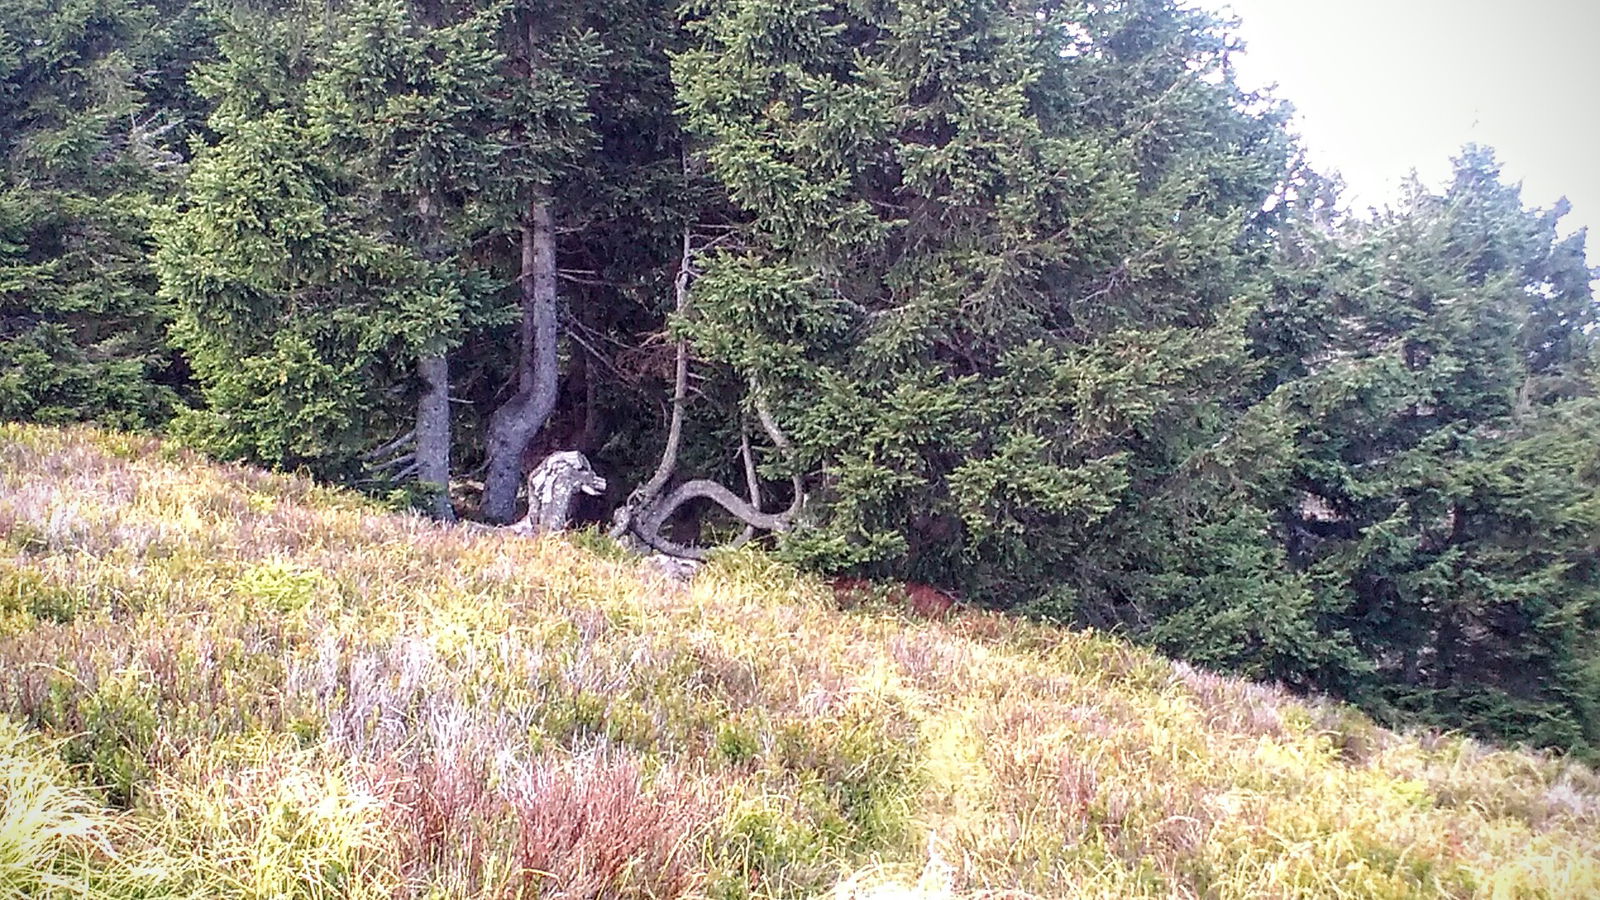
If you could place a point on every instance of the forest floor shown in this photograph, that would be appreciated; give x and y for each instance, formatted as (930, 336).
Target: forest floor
(218, 682)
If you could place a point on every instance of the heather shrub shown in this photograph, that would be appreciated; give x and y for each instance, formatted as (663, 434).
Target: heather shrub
(766, 847)
(280, 586)
(594, 826)
(737, 742)
(26, 596)
(855, 777)
(23, 536)
(119, 727)
(487, 717)
(261, 818)
(595, 541)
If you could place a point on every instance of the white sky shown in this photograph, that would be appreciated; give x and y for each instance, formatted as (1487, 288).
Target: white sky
(1382, 87)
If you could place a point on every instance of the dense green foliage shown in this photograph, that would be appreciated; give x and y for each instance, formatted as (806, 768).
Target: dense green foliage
(320, 245)
(1028, 301)
(978, 270)
(1438, 368)
(93, 116)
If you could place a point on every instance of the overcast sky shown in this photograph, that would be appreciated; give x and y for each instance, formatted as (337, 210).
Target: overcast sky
(1385, 86)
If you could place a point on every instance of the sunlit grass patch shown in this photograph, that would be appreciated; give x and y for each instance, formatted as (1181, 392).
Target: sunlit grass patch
(51, 833)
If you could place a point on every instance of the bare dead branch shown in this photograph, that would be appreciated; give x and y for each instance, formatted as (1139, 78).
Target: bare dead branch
(565, 275)
(752, 480)
(390, 447)
(643, 515)
(647, 493)
(649, 526)
(781, 441)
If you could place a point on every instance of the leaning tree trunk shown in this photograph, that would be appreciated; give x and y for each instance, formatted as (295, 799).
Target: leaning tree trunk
(433, 434)
(513, 425)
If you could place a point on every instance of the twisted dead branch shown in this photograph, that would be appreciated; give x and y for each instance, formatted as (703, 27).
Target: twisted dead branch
(646, 511)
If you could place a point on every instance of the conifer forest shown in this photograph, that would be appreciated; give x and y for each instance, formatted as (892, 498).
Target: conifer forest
(1029, 301)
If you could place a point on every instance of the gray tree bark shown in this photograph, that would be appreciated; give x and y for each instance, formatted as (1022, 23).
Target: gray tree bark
(551, 489)
(433, 434)
(514, 425)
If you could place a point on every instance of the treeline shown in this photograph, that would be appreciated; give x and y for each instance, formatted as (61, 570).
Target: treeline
(1027, 300)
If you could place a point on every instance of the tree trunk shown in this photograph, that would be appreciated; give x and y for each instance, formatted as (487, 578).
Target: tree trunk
(433, 434)
(513, 425)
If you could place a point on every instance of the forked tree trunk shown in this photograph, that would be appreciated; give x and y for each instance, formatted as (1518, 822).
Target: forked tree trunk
(514, 425)
(433, 434)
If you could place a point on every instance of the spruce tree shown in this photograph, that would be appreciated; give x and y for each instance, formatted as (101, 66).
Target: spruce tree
(93, 115)
(319, 256)
(986, 267)
(1437, 365)
(552, 59)
(409, 183)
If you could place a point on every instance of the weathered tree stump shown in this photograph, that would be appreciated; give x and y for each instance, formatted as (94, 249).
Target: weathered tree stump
(551, 488)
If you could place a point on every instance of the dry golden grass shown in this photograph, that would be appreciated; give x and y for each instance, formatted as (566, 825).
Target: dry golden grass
(223, 683)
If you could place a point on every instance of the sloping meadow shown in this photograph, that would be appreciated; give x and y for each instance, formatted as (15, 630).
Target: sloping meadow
(223, 683)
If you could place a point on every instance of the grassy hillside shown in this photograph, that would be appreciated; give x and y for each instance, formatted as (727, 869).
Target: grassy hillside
(221, 683)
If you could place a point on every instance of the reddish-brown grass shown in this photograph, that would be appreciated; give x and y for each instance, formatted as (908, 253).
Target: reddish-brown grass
(917, 598)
